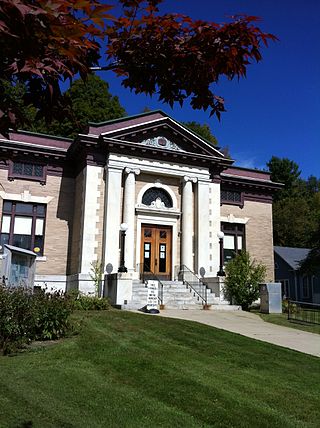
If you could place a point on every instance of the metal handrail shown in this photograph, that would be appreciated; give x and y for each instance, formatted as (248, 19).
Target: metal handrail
(203, 296)
(151, 275)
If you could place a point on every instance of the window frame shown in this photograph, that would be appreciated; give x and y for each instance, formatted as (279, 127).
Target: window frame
(14, 176)
(229, 202)
(306, 286)
(235, 233)
(34, 216)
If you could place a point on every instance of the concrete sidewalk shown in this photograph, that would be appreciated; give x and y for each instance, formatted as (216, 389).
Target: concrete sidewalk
(251, 325)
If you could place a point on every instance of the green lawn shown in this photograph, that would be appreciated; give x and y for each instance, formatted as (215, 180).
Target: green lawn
(282, 319)
(134, 370)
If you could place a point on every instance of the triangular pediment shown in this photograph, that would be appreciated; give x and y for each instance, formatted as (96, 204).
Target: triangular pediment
(161, 133)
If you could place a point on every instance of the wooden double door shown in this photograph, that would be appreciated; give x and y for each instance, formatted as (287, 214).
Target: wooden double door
(156, 244)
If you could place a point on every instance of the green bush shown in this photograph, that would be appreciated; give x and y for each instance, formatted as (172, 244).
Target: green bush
(243, 279)
(52, 314)
(89, 303)
(27, 316)
(17, 318)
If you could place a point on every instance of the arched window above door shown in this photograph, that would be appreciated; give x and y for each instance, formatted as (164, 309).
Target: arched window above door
(157, 197)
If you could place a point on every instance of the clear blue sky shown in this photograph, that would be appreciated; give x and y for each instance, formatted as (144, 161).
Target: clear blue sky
(276, 109)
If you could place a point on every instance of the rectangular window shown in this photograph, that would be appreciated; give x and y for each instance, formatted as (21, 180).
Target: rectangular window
(233, 241)
(284, 288)
(305, 287)
(231, 197)
(27, 170)
(23, 225)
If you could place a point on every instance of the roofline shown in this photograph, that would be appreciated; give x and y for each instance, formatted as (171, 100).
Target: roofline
(133, 116)
(52, 137)
(285, 261)
(178, 124)
(250, 169)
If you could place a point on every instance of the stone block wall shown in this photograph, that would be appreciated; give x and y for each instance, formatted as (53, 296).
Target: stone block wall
(59, 192)
(258, 231)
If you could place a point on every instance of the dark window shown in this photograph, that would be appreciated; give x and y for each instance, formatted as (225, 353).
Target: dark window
(151, 196)
(233, 241)
(163, 257)
(147, 257)
(231, 197)
(284, 288)
(306, 287)
(27, 170)
(23, 225)
(147, 233)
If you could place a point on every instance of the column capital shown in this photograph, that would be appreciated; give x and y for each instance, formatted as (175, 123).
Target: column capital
(187, 178)
(135, 171)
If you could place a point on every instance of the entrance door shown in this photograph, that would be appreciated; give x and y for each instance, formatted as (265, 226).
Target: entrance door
(156, 250)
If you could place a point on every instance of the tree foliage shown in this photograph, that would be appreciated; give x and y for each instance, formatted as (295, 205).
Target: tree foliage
(243, 279)
(202, 130)
(294, 222)
(296, 208)
(43, 42)
(285, 171)
(87, 101)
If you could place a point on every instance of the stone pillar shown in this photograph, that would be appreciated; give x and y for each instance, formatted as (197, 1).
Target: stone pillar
(129, 215)
(187, 222)
(202, 226)
(112, 216)
(216, 225)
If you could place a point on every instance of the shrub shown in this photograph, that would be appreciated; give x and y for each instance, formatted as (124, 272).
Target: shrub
(17, 318)
(25, 316)
(96, 273)
(242, 280)
(53, 311)
(89, 303)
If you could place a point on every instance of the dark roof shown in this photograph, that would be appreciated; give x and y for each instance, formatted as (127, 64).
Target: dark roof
(292, 256)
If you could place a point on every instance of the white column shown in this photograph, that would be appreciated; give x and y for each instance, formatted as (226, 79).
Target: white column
(187, 222)
(202, 226)
(112, 216)
(129, 216)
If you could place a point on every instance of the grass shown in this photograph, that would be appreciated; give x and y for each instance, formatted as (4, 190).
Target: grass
(282, 319)
(133, 370)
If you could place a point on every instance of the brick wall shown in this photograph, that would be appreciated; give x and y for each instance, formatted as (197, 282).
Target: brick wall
(258, 230)
(58, 220)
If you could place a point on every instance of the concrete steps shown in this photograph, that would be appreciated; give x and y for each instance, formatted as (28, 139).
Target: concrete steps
(176, 295)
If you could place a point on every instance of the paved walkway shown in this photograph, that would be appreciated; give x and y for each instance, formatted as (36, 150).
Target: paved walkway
(251, 325)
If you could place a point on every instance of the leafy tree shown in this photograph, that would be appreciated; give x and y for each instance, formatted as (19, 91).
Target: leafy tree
(243, 277)
(285, 171)
(202, 130)
(43, 42)
(294, 222)
(88, 100)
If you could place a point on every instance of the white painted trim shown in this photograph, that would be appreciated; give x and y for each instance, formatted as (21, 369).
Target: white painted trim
(26, 196)
(176, 123)
(161, 221)
(159, 168)
(232, 219)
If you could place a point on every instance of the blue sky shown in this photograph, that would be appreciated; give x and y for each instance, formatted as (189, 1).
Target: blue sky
(276, 109)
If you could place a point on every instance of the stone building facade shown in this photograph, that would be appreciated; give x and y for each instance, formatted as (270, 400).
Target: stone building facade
(175, 191)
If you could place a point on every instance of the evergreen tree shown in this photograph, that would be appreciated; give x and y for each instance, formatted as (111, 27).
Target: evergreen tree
(88, 101)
